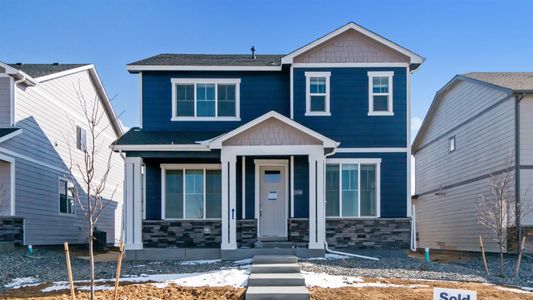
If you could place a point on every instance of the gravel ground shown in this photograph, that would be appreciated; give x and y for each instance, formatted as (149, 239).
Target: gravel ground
(49, 266)
(403, 266)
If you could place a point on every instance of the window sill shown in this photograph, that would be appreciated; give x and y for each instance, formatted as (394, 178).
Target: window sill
(351, 218)
(67, 214)
(191, 220)
(205, 119)
(317, 114)
(380, 113)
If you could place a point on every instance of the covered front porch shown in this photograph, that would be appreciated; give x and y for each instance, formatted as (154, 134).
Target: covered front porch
(258, 184)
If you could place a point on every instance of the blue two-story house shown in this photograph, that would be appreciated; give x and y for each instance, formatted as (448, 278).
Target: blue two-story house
(240, 154)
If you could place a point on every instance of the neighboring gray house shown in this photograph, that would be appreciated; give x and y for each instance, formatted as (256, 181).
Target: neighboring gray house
(474, 124)
(39, 111)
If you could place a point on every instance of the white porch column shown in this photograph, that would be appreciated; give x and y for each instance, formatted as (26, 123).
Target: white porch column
(317, 225)
(132, 215)
(229, 201)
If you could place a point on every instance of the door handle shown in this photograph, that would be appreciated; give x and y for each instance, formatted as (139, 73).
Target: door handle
(260, 212)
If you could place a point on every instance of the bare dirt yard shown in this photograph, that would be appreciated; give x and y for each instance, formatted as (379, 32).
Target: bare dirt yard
(379, 289)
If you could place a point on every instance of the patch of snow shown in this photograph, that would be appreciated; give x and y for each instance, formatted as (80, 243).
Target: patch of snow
(329, 281)
(243, 262)
(334, 281)
(58, 286)
(23, 282)
(199, 262)
(519, 291)
(330, 256)
(228, 277)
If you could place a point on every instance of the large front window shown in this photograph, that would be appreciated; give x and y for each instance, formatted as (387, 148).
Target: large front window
(352, 188)
(191, 192)
(205, 99)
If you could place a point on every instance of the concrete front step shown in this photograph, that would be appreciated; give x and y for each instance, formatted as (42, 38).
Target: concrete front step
(277, 293)
(275, 259)
(274, 244)
(276, 279)
(275, 268)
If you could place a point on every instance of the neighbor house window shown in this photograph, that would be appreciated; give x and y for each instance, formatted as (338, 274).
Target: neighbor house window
(317, 93)
(81, 139)
(451, 144)
(191, 192)
(205, 99)
(66, 201)
(352, 188)
(380, 101)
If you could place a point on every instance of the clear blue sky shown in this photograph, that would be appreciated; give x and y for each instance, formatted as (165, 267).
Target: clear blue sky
(454, 36)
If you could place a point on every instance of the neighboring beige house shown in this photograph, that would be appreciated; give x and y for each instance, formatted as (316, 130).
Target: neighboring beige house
(475, 122)
(39, 111)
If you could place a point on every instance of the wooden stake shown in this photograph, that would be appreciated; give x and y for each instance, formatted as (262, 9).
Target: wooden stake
(483, 254)
(522, 248)
(119, 265)
(69, 271)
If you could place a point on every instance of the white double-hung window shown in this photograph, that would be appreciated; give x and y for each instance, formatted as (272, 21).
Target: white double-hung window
(191, 191)
(353, 188)
(205, 99)
(317, 93)
(380, 100)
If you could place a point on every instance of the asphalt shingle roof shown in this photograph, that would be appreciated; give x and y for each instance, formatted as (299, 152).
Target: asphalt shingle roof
(39, 70)
(516, 81)
(136, 136)
(211, 60)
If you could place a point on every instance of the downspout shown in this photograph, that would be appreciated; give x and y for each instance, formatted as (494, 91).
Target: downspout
(517, 170)
(326, 243)
(414, 246)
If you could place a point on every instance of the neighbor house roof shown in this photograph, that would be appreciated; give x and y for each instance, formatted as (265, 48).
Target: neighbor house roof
(137, 138)
(9, 132)
(39, 70)
(516, 81)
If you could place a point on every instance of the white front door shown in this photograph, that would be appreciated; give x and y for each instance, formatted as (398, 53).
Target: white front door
(272, 201)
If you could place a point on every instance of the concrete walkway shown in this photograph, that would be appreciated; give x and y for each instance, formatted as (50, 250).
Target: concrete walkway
(276, 277)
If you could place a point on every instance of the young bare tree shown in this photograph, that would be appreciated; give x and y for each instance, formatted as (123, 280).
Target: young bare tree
(89, 193)
(498, 211)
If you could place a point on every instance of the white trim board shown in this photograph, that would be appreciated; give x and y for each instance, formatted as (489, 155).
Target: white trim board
(11, 135)
(372, 150)
(349, 65)
(182, 147)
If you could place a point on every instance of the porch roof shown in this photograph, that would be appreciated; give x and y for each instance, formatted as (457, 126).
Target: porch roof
(9, 132)
(138, 137)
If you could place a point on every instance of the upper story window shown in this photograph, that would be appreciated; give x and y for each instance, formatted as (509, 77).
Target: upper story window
(317, 93)
(380, 94)
(205, 99)
(81, 139)
(451, 144)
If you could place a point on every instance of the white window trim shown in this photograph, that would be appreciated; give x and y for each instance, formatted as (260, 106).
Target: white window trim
(371, 94)
(203, 167)
(358, 161)
(308, 111)
(69, 183)
(216, 82)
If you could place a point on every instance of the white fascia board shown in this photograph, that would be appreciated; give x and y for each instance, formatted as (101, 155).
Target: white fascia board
(415, 58)
(64, 73)
(140, 68)
(107, 103)
(327, 142)
(11, 135)
(184, 147)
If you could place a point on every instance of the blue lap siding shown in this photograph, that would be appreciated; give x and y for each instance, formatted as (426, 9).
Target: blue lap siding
(260, 92)
(349, 122)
